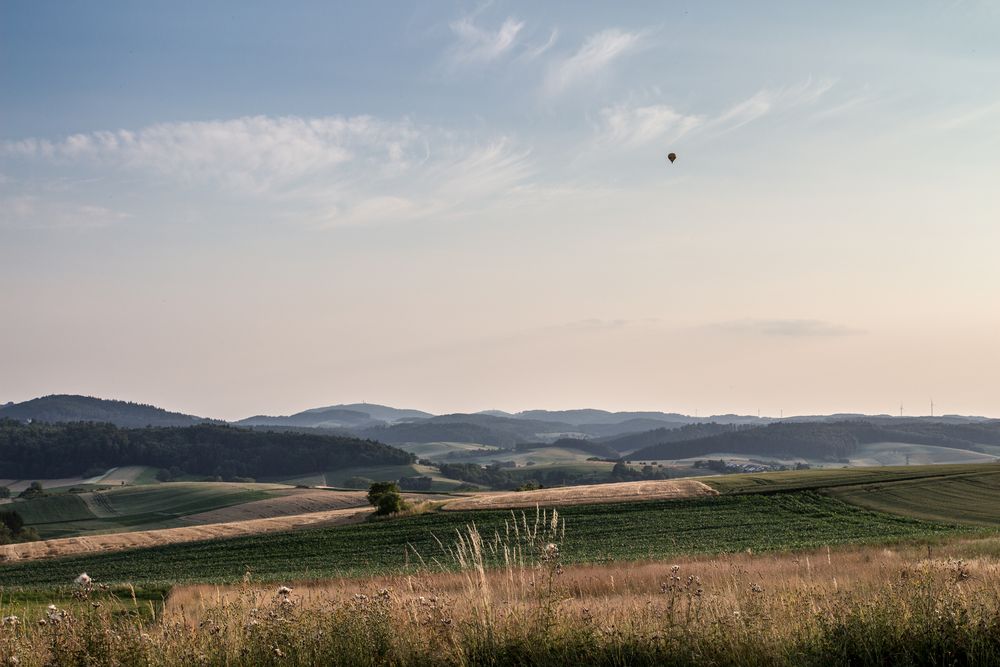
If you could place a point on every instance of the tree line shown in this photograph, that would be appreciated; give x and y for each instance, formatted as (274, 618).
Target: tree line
(41, 450)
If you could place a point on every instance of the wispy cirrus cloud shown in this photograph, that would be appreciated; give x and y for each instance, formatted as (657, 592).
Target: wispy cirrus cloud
(597, 53)
(767, 101)
(325, 170)
(476, 46)
(784, 328)
(627, 125)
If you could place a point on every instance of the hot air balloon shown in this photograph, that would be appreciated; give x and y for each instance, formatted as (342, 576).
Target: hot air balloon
(672, 157)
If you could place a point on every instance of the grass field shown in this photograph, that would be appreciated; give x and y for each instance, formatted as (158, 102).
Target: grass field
(858, 606)
(972, 497)
(132, 507)
(834, 477)
(595, 533)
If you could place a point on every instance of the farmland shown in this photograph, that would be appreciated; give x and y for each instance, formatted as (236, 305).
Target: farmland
(133, 508)
(595, 533)
(972, 498)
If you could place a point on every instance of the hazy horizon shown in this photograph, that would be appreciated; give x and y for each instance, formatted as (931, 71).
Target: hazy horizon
(235, 209)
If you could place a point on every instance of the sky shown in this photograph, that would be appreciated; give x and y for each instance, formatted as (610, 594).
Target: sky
(235, 208)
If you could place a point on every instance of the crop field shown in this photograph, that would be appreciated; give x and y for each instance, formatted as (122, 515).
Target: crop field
(595, 533)
(133, 508)
(834, 477)
(587, 494)
(972, 498)
(102, 543)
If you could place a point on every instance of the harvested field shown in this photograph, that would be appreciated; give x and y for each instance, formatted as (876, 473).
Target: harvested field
(70, 546)
(291, 502)
(667, 489)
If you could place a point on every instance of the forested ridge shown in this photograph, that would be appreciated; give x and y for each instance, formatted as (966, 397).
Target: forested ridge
(42, 450)
(825, 440)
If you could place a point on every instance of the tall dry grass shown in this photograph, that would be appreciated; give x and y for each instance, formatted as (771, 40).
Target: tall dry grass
(511, 601)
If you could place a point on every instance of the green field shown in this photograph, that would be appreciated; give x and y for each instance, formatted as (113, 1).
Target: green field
(595, 533)
(822, 478)
(972, 498)
(132, 507)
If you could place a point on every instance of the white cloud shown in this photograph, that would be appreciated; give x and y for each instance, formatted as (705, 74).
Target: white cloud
(530, 53)
(478, 46)
(596, 54)
(767, 101)
(626, 125)
(326, 170)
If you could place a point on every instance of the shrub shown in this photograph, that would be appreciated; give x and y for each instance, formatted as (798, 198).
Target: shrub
(385, 497)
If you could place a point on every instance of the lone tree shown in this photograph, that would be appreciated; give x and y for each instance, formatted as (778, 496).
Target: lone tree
(385, 497)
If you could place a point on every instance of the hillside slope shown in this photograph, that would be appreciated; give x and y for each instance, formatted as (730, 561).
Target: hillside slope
(73, 408)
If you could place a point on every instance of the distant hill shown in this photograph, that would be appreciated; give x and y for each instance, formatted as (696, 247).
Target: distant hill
(628, 426)
(320, 418)
(353, 416)
(46, 450)
(384, 413)
(478, 428)
(72, 408)
(832, 441)
(592, 416)
(639, 441)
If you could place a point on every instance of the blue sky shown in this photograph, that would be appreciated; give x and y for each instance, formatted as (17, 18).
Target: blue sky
(231, 208)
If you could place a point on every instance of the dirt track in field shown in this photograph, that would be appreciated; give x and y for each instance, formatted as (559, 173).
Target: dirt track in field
(69, 546)
(586, 495)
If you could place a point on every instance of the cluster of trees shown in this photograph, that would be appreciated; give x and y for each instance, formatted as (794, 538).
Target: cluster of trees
(421, 483)
(39, 450)
(385, 497)
(496, 476)
(12, 529)
(623, 472)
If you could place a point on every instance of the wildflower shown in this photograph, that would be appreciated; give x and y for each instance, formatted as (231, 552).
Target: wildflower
(52, 608)
(83, 579)
(10, 620)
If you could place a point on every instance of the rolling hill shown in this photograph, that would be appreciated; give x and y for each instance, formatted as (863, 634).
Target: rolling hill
(73, 408)
(350, 416)
(826, 441)
(40, 450)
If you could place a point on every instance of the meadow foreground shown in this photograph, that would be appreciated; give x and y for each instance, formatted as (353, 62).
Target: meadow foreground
(910, 605)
